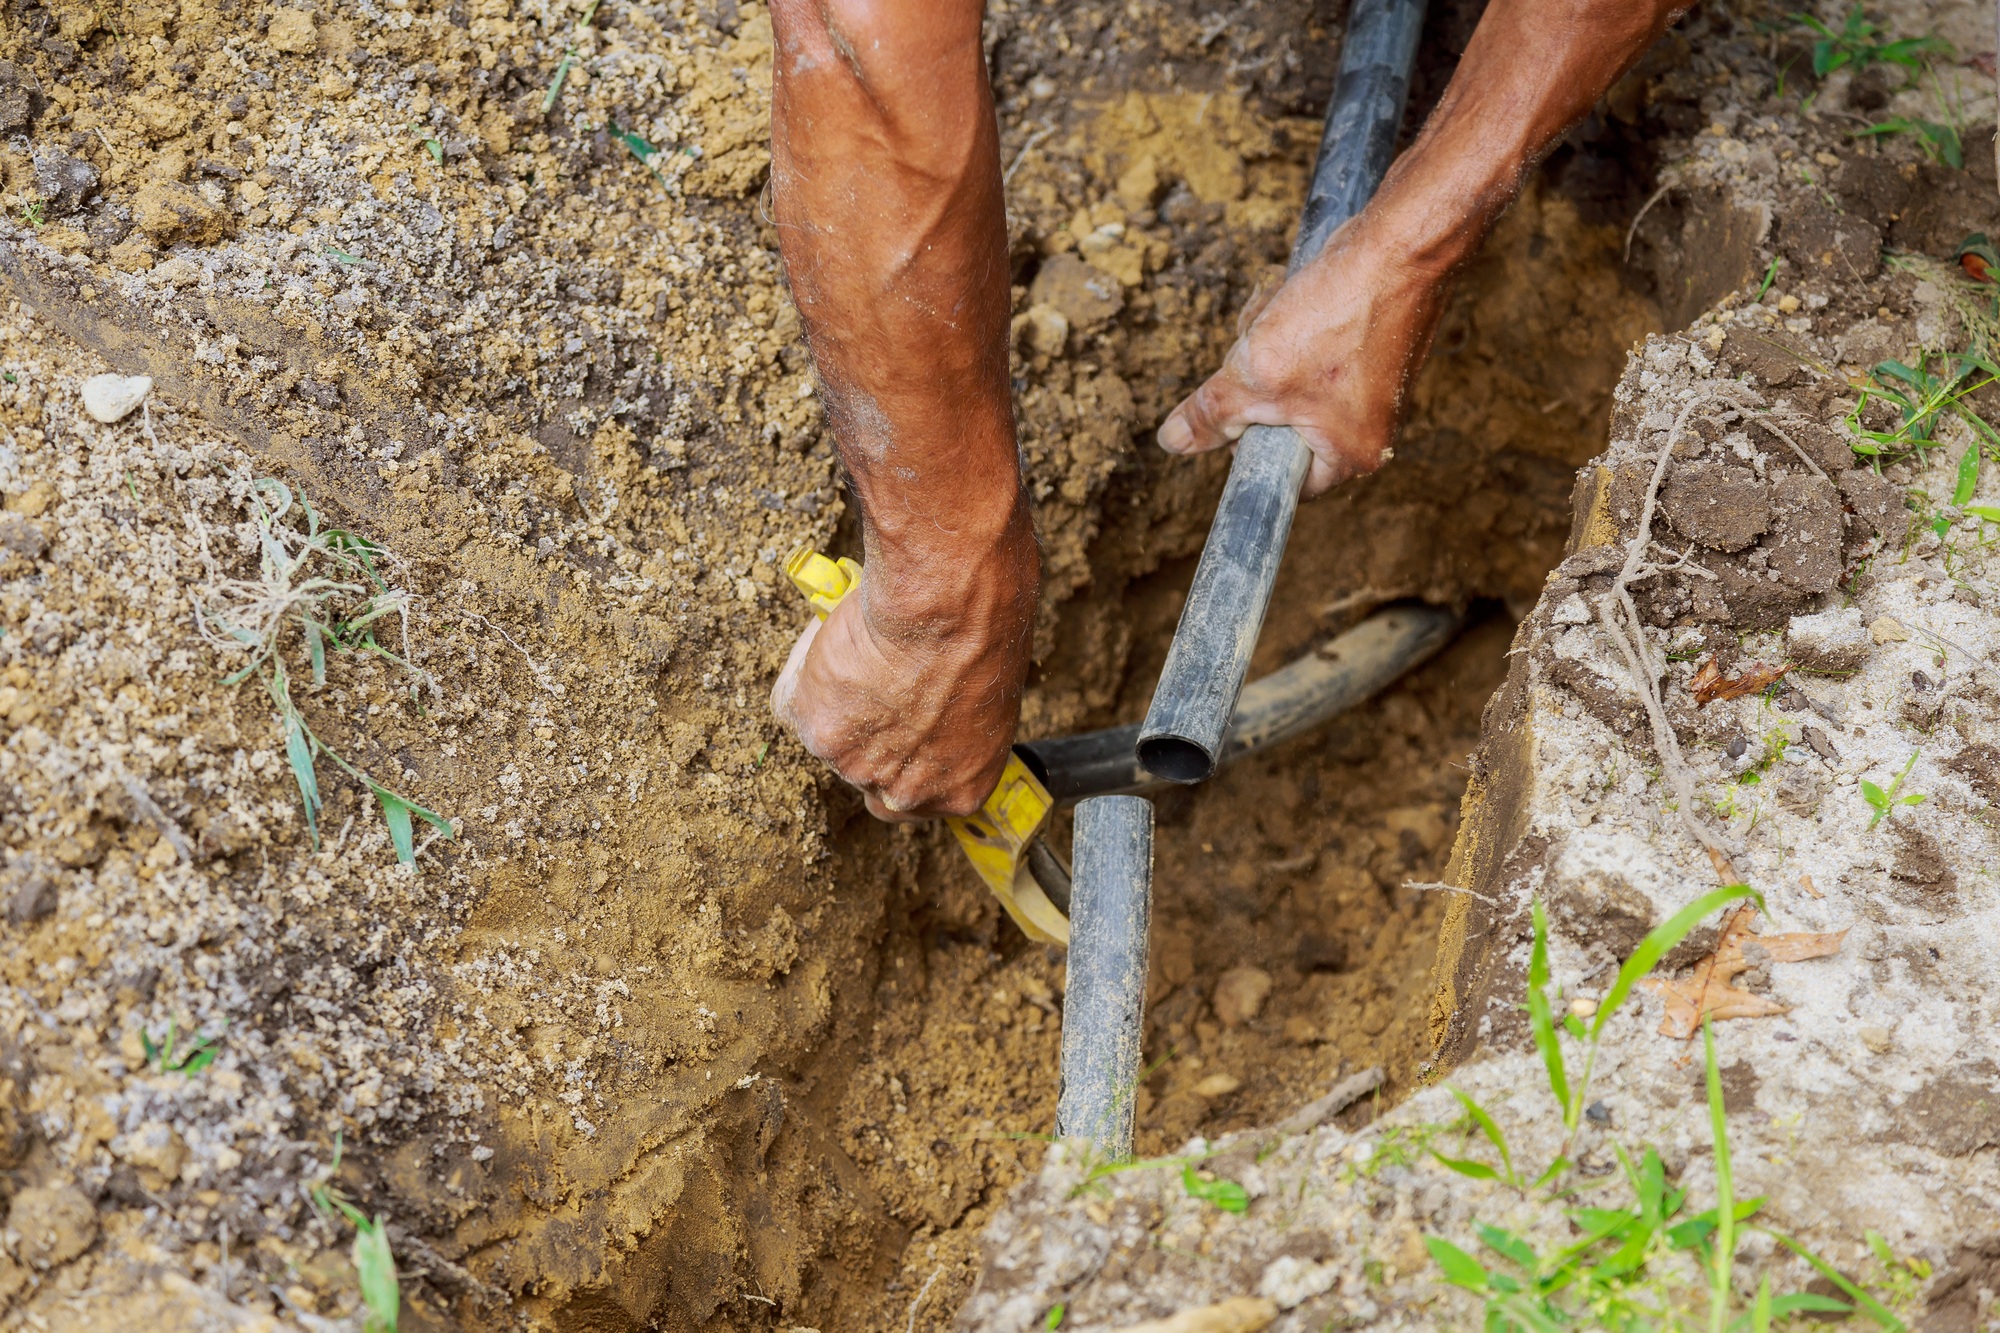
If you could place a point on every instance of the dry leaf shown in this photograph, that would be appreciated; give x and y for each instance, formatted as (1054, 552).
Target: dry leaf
(1709, 684)
(1706, 990)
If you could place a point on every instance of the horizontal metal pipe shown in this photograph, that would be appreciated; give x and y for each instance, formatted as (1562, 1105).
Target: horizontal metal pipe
(1181, 739)
(1104, 996)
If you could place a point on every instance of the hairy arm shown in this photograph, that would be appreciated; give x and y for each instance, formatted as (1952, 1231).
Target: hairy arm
(887, 191)
(1333, 352)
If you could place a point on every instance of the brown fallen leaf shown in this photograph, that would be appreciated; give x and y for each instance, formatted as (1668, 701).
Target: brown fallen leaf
(1709, 684)
(1706, 990)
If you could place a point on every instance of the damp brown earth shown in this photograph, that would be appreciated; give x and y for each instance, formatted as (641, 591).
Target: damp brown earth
(668, 1033)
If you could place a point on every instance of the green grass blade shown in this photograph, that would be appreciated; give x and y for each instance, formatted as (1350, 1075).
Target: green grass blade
(298, 751)
(376, 1268)
(316, 650)
(1465, 1166)
(1507, 1245)
(1881, 1314)
(1227, 1195)
(1725, 1186)
(1540, 1021)
(1660, 940)
(396, 813)
(1460, 1268)
(1492, 1132)
(1968, 474)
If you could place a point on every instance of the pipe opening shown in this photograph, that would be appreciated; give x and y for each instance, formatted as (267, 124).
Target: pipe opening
(1176, 759)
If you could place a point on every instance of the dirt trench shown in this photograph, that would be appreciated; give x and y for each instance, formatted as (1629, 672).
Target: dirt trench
(722, 1052)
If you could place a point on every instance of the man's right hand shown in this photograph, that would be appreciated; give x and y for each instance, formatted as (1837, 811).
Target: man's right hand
(911, 689)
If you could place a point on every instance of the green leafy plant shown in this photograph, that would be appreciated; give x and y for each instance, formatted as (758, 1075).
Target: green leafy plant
(1885, 802)
(374, 1263)
(1626, 1269)
(1053, 1319)
(325, 585)
(1227, 1195)
(1857, 42)
(170, 1057)
(1937, 385)
(1939, 141)
(35, 214)
(432, 144)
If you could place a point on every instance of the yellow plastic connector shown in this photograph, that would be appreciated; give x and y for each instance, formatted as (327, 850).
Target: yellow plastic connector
(996, 842)
(996, 839)
(823, 582)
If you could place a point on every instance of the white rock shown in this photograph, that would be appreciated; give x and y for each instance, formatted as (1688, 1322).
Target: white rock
(1291, 1281)
(1830, 641)
(111, 398)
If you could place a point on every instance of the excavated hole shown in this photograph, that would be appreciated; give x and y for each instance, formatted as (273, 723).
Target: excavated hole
(1290, 940)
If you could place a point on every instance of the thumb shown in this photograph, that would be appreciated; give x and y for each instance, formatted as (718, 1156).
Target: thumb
(1208, 418)
(786, 687)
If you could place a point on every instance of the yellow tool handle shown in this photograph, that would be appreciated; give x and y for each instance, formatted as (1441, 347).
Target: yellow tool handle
(996, 839)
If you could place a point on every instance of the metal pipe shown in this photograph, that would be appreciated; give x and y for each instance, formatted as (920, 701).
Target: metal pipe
(1182, 737)
(1104, 999)
(1294, 699)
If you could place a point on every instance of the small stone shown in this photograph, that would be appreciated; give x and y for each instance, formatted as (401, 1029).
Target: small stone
(1140, 183)
(134, 254)
(1217, 1085)
(1085, 295)
(1886, 629)
(292, 32)
(167, 211)
(1240, 994)
(1829, 641)
(14, 109)
(1291, 1280)
(1877, 1039)
(56, 1224)
(1046, 329)
(31, 899)
(112, 398)
(1583, 1007)
(23, 538)
(65, 183)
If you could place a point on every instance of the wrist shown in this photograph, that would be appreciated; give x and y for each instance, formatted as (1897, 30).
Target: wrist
(979, 577)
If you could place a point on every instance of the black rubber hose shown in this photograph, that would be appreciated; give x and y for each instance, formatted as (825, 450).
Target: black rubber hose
(1181, 739)
(1292, 700)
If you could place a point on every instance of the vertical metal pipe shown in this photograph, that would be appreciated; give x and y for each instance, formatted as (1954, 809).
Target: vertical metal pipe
(1182, 735)
(1104, 1001)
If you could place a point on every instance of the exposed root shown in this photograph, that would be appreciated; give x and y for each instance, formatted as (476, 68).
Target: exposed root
(1630, 636)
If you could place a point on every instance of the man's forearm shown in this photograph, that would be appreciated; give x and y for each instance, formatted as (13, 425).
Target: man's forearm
(885, 161)
(1533, 69)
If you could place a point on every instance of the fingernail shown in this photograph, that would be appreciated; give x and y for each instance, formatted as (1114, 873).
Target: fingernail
(1175, 436)
(1233, 433)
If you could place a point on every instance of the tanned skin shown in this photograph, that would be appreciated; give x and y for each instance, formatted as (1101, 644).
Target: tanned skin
(886, 171)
